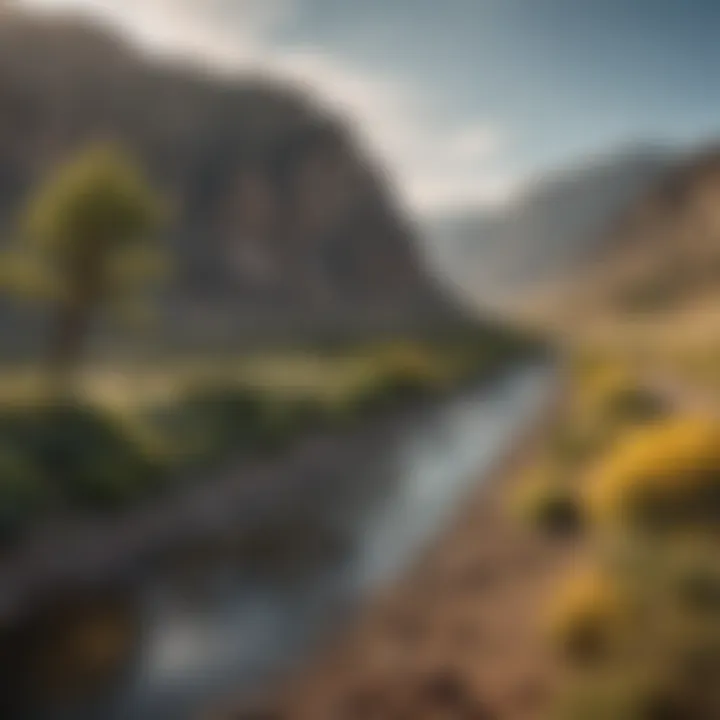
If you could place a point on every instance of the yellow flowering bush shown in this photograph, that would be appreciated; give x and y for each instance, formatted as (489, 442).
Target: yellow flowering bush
(587, 616)
(663, 475)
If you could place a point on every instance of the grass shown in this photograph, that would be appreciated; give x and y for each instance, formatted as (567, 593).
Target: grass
(131, 429)
(646, 473)
(604, 400)
(633, 694)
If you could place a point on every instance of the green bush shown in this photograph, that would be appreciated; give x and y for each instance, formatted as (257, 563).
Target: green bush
(90, 457)
(634, 404)
(23, 490)
(626, 695)
(549, 506)
(79, 456)
(393, 384)
(211, 420)
(299, 415)
(694, 579)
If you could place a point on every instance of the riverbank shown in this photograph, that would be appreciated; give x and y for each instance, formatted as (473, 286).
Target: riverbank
(270, 559)
(264, 441)
(458, 636)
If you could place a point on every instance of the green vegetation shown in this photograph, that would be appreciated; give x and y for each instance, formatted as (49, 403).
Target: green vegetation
(639, 630)
(126, 436)
(604, 402)
(85, 246)
(588, 617)
(550, 506)
(633, 694)
(102, 436)
(663, 477)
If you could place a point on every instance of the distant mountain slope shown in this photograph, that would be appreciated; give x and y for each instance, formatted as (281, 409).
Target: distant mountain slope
(665, 249)
(282, 222)
(557, 226)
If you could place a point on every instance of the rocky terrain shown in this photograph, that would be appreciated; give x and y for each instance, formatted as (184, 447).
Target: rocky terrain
(280, 221)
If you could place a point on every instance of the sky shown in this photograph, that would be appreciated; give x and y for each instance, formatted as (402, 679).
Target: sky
(465, 101)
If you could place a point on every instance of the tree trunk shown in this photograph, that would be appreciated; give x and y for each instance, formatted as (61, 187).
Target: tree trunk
(72, 322)
(70, 329)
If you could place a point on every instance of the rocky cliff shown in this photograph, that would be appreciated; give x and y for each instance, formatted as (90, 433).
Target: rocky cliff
(280, 220)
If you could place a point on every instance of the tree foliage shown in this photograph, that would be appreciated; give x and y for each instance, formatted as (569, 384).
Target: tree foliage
(87, 237)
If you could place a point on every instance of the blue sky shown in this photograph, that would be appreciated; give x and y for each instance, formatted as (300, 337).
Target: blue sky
(464, 100)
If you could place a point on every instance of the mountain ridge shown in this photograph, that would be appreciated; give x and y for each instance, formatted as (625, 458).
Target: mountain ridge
(556, 227)
(283, 223)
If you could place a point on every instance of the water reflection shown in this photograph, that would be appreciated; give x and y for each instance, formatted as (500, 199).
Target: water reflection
(237, 612)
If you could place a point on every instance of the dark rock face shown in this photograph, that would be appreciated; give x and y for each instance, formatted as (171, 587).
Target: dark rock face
(279, 218)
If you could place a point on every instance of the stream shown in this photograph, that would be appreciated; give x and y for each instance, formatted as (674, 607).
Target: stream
(234, 616)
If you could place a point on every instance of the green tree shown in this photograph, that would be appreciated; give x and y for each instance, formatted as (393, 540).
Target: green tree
(89, 238)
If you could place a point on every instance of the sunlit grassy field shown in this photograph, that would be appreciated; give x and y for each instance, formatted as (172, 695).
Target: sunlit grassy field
(131, 384)
(128, 429)
(135, 384)
(633, 470)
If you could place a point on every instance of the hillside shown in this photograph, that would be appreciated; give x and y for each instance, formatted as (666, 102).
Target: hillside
(556, 227)
(664, 252)
(281, 223)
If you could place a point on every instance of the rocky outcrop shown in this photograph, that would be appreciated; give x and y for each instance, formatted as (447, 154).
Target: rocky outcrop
(280, 221)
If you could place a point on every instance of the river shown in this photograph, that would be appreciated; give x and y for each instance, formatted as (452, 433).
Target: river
(234, 621)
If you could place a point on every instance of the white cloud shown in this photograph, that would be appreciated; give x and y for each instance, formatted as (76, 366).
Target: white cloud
(436, 164)
(476, 143)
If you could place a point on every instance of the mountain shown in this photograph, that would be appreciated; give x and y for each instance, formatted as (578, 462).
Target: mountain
(282, 223)
(557, 226)
(665, 249)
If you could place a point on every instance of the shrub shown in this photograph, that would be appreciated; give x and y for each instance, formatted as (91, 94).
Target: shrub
(609, 402)
(398, 374)
(666, 475)
(624, 695)
(587, 617)
(635, 404)
(23, 490)
(693, 577)
(695, 662)
(574, 445)
(548, 505)
(89, 456)
(297, 416)
(409, 370)
(597, 382)
(212, 419)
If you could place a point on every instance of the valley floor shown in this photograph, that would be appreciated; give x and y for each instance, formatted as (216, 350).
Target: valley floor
(459, 637)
